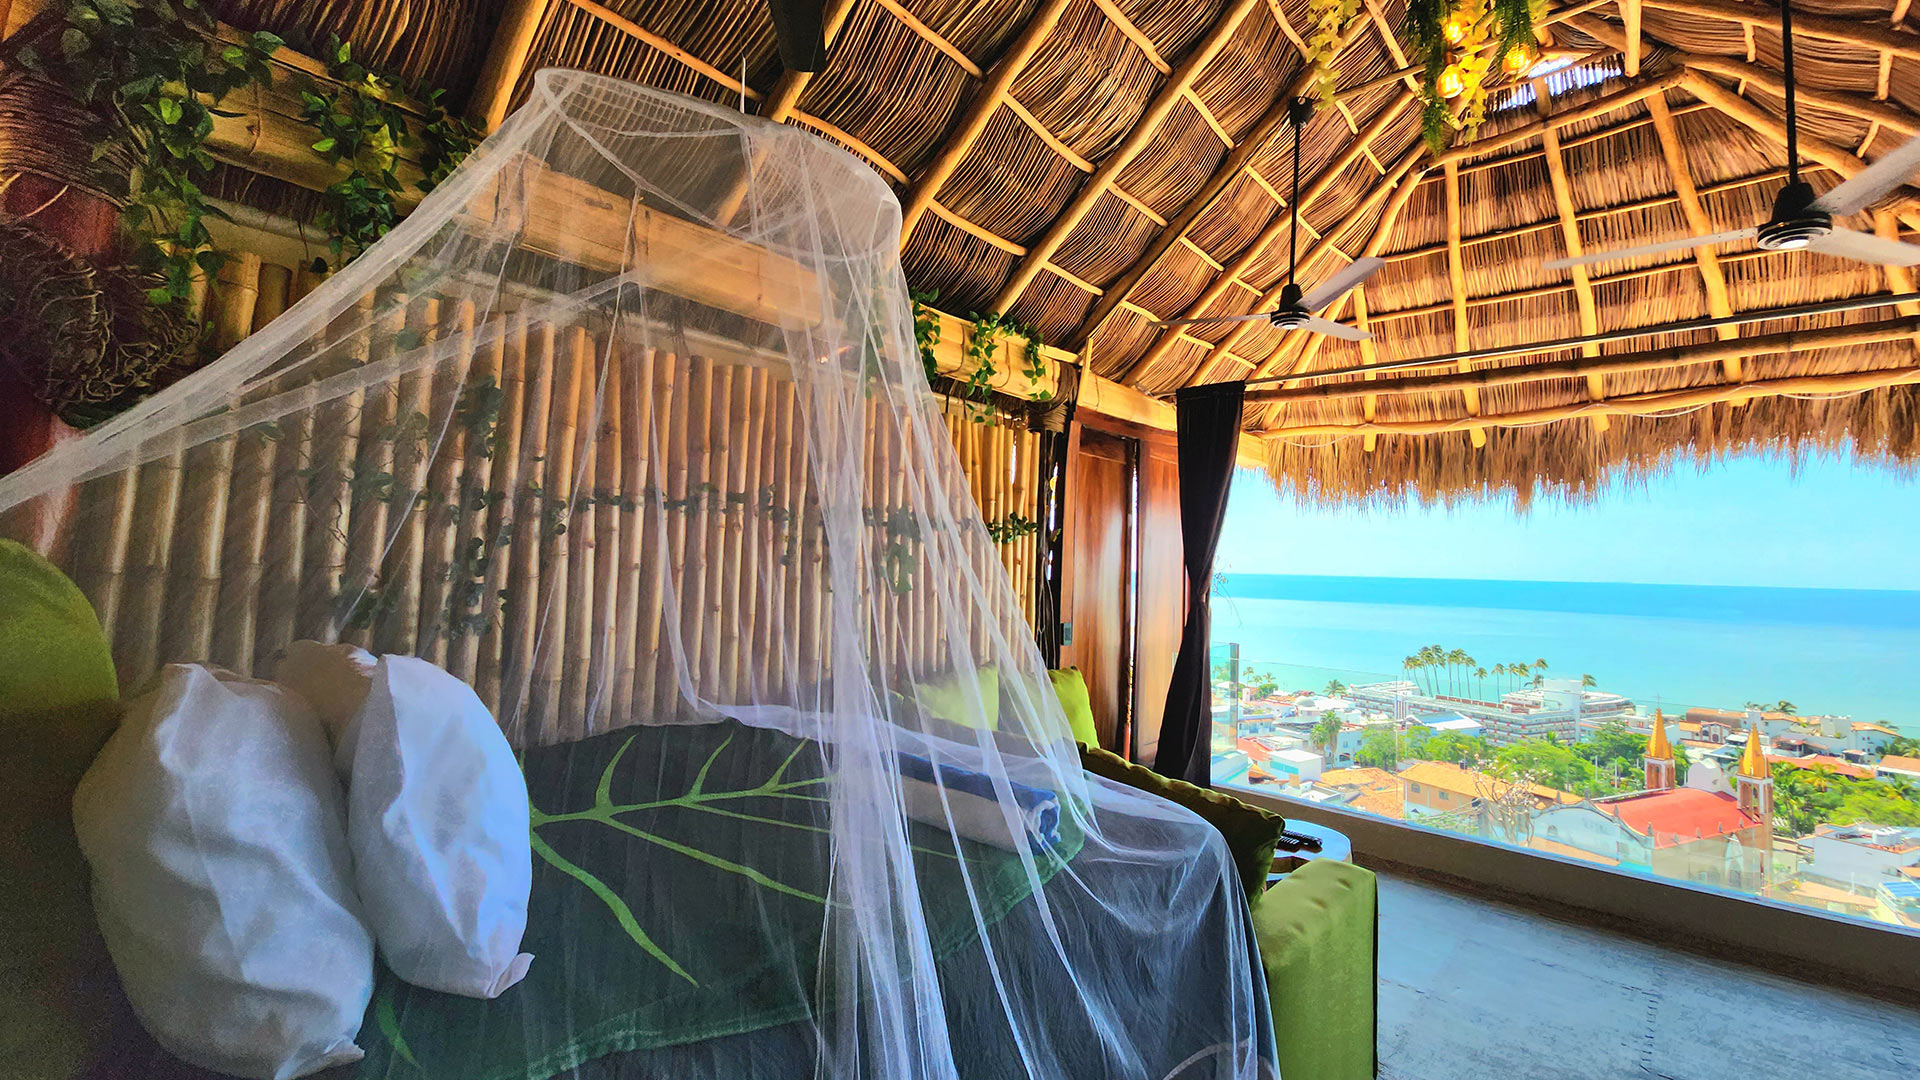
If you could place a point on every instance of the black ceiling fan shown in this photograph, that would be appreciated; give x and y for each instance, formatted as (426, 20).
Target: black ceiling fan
(1801, 221)
(1296, 310)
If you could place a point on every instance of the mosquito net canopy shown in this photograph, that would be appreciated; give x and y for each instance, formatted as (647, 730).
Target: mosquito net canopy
(625, 427)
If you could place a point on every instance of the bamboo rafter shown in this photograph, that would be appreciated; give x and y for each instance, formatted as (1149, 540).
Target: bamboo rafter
(1170, 94)
(1570, 237)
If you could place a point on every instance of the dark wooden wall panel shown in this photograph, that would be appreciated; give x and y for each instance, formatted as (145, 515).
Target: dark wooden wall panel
(1094, 587)
(1161, 597)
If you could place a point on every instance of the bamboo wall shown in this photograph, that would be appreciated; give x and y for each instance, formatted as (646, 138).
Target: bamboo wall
(546, 514)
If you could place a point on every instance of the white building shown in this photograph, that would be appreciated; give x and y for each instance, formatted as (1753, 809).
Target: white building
(1294, 766)
(1861, 856)
(1560, 707)
(1459, 725)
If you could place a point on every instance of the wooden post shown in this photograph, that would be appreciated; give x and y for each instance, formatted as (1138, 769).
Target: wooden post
(526, 615)
(1569, 231)
(506, 59)
(504, 514)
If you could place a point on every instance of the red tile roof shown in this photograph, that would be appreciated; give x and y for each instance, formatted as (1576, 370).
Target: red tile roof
(1840, 766)
(1903, 764)
(1680, 815)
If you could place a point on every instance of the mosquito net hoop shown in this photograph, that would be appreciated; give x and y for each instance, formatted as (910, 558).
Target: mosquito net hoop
(626, 427)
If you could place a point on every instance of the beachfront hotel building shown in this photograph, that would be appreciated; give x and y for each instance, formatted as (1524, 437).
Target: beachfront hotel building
(1560, 708)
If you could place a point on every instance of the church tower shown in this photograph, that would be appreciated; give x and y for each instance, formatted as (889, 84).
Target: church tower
(1754, 781)
(1659, 756)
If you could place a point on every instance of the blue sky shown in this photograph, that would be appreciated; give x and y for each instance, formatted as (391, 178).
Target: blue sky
(1746, 521)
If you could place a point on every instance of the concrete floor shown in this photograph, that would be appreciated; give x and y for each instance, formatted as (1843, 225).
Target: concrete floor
(1477, 990)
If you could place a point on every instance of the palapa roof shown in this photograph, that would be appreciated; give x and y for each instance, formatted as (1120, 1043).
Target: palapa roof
(1092, 166)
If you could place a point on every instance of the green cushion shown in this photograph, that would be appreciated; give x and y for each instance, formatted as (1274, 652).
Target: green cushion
(1071, 688)
(950, 701)
(1315, 929)
(58, 704)
(1250, 831)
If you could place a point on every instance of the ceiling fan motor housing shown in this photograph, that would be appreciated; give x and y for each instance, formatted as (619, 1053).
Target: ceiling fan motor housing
(1292, 313)
(1796, 222)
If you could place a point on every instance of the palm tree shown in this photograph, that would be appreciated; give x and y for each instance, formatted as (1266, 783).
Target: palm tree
(1519, 671)
(1786, 708)
(1539, 667)
(1498, 671)
(1335, 688)
(1588, 682)
(1480, 676)
(1326, 735)
(1411, 665)
(1459, 657)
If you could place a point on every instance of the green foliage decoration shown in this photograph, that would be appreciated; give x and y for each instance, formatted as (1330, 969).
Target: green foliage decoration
(150, 69)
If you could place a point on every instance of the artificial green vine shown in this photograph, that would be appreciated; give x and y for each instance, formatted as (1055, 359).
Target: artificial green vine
(150, 67)
(361, 126)
(1457, 42)
(1012, 527)
(926, 331)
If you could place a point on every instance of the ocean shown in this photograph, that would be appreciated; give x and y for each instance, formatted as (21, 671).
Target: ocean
(1843, 651)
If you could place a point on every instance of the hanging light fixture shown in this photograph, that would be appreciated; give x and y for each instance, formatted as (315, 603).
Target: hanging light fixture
(1517, 59)
(1455, 29)
(1452, 82)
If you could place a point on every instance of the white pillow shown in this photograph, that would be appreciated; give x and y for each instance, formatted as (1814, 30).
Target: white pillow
(332, 678)
(437, 818)
(221, 877)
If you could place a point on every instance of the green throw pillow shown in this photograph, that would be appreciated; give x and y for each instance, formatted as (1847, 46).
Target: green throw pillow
(58, 704)
(1251, 832)
(948, 700)
(1071, 687)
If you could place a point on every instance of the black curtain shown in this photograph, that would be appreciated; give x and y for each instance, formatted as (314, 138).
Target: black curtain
(1209, 429)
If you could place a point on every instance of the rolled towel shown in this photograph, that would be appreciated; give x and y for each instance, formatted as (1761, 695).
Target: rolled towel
(972, 806)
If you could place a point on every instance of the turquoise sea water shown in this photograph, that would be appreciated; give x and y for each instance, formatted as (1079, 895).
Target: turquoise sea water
(1844, 651)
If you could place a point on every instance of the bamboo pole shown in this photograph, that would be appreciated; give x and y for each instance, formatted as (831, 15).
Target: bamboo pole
(692, 565)
(1719, 305)
(1853, 382)
(753, 659)
(507, 56)
(283, 524)
(787, 480)
(610, 467)
(1457, 276)
(567, 550)
(730, 611)
(583, 615)
(503, 514)
(368, 488)
(659, 401)
(717, 449)
(444, 512)
(1569, 228)
(526, 613)
(1828, 337)
(404, 567)
(477, 549)
(1171, 93)
(674, 656)
(243, 544)
(636, 443)
(986, 101)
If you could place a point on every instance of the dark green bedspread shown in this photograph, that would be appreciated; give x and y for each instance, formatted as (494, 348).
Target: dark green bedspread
(680, 876)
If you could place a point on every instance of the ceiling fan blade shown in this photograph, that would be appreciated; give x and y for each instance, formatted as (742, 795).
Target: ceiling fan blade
(1215, 319)
(1685, 243)
(1334, 329)
(1875, 180)
(1336, 286)
(1866, 247)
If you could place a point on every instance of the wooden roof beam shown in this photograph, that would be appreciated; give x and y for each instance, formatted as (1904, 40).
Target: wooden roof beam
(1457, 278)
(1719, 305)
(787, 89)
(506, 61)
(1630, 18)
(1570, 236)
(1861, 32)
(1273, 230)
(1171, 93)
(992, 93)
(1845, 335)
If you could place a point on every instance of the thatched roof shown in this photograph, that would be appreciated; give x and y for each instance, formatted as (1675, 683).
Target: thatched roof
(1092, 166)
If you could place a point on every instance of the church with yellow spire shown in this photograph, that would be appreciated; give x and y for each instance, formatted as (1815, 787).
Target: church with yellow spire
(1707, 827)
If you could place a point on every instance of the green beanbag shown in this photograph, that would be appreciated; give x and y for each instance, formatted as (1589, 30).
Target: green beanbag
(58, 704)
(1071, 687)
(950, 701)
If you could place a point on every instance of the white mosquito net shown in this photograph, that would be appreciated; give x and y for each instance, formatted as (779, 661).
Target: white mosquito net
(626, 426)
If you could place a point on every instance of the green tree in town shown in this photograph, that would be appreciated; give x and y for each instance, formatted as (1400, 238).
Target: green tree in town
(1335, 688)
(1468, 751)
(1588, 682)
(1326, 736)
(1380, 749)
(1480, 683)
(1902, 747)
(1551, 764)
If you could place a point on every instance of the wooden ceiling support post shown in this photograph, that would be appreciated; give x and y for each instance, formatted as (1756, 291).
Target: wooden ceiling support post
(1171, 93)
(1457, 277)
(506, 61)
(1273, 231)
(1369, 354)
(1570, 235)
(779, 104)
(1899, 278)
(1630, 19)
(1719, 304)
(986, 101)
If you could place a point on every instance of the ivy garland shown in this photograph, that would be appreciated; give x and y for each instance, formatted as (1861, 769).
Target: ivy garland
(1329, 24)
(149, 68)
